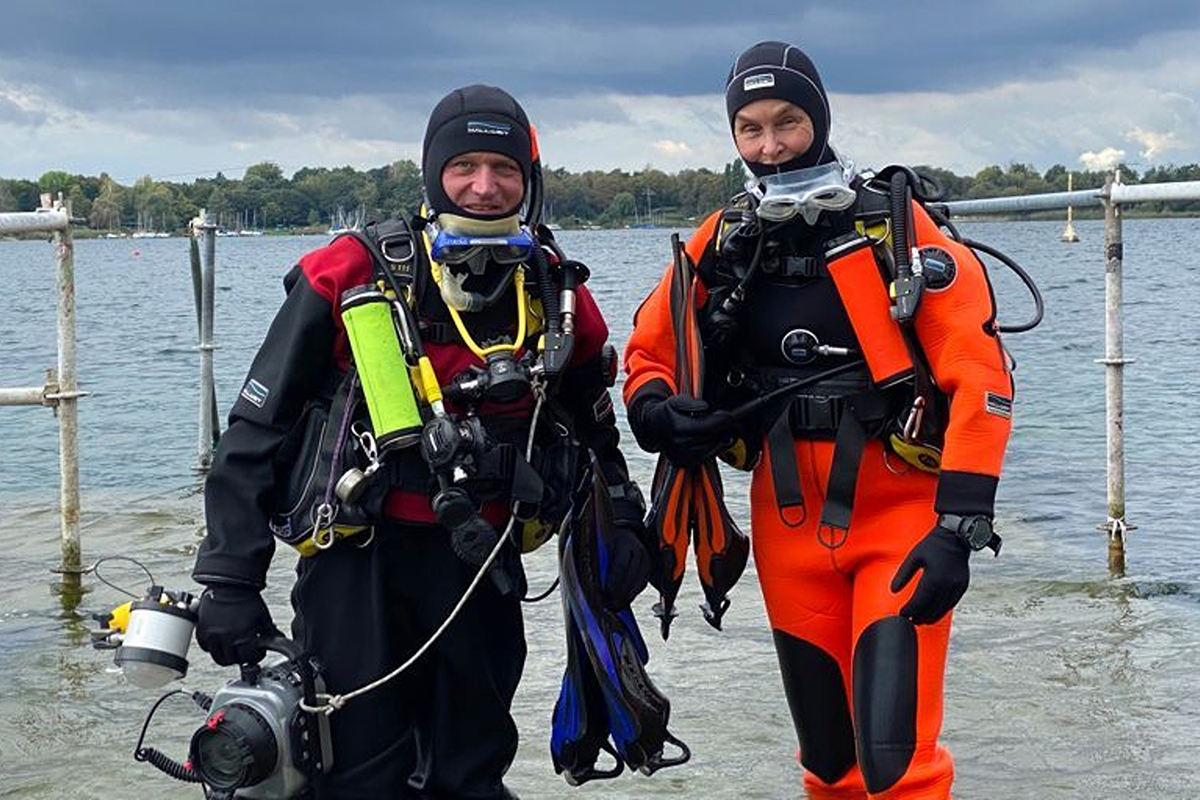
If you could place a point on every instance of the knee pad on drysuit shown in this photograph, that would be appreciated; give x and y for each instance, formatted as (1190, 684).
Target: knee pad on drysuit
(816, 696)
(885, 701)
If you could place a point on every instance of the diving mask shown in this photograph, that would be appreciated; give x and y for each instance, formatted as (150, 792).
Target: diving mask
(477, 251)
(807, 192)
(477, 258)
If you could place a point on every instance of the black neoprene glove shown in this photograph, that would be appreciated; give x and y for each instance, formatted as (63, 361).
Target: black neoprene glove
(229, 623)
(686, 430)
(629, 559)
(944, 561)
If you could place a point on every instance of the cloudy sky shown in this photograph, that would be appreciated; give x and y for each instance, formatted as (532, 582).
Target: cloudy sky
(179, 91)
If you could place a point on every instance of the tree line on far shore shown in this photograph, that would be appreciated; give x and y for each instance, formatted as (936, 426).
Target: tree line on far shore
(318, 197)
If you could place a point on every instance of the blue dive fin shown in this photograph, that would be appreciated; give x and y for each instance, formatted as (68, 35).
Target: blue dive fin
(580, 727)
(610, 651)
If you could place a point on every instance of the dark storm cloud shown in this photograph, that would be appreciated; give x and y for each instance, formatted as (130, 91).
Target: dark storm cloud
(127, 54)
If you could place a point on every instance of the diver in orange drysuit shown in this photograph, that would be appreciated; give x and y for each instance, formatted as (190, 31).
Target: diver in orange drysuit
(861, 538)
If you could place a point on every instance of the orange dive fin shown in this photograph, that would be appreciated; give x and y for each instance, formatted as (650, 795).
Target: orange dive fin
(721, 547)
(669, 518)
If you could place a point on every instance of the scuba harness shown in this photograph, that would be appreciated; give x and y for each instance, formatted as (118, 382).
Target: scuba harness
(407, 401)
(883, 386)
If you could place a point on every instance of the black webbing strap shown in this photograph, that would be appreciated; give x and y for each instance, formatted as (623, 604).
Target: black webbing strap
(333, 441)
(785, 473)
(843, 473)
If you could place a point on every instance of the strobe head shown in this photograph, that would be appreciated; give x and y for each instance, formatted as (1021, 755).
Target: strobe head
(154, 645)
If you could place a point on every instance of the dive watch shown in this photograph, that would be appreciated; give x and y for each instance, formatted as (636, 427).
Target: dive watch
(976, 530)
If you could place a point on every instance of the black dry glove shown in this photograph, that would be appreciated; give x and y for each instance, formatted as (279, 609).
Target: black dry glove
(688, 431)
(628, 567)
(229, 623)
(944, 561)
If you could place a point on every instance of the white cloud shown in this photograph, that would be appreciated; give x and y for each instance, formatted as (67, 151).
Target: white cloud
(1102, 161)
(672, 149)
(1155, 144)
(1145, 95)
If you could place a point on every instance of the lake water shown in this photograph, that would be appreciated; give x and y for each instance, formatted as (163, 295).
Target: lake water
(1062, 682)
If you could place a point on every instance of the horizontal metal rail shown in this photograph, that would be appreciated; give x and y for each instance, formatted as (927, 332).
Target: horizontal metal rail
(1121, 194)
(24, 396)
(34, 221)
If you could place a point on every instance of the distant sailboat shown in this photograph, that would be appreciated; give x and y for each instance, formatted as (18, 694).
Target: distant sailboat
(341, 222)
(1069, 234)
(649, 223)
(145, 228)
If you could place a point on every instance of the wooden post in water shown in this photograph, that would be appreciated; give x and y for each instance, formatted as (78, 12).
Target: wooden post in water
(208, 414)
(67, 394)
(1114, 362)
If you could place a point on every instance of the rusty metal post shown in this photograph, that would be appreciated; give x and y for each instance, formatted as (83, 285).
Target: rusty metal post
(1114, 362)
(67, 395)
(208, 416)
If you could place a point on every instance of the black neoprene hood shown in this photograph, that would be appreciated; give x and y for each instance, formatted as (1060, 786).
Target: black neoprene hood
(473, 118)
(780, 71)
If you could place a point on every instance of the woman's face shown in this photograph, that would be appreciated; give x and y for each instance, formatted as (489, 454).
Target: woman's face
(772, 131)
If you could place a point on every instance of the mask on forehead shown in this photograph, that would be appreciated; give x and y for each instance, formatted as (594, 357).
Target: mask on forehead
(780, 71)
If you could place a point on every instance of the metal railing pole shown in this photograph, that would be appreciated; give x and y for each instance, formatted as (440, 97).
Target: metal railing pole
(207, 391)
(1114, 376)
(67, 396)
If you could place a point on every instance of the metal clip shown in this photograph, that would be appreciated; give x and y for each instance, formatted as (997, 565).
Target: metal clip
(912, 425)
(366, 440)
(323, 536)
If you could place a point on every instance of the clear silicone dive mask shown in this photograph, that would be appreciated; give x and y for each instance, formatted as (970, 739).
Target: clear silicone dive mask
(807, 192)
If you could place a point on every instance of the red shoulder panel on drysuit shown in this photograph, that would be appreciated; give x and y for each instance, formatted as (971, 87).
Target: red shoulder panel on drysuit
(591, 331)
(331, 270)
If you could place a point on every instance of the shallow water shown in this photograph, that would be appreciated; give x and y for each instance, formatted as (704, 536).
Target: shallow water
(1062, 683)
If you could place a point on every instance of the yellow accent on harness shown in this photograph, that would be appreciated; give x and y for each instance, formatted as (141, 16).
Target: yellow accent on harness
(324, 537)
(428, 382)
(924, 457)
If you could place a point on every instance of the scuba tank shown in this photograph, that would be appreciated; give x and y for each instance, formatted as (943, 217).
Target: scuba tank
(391, 404)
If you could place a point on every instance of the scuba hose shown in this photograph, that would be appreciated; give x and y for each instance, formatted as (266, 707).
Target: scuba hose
(929, 192)
(941, 216)
(752, 407)
(1038, 304)
(909, 281)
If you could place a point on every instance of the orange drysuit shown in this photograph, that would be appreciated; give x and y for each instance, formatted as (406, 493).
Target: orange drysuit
(863, 683)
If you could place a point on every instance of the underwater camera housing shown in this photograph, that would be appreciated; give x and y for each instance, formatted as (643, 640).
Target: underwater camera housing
(257, 741)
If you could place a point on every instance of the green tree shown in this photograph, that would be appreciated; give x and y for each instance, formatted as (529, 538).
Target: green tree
(56, 182)
(621, 211)
(153, 203)
(8, 202)
(106, 208)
